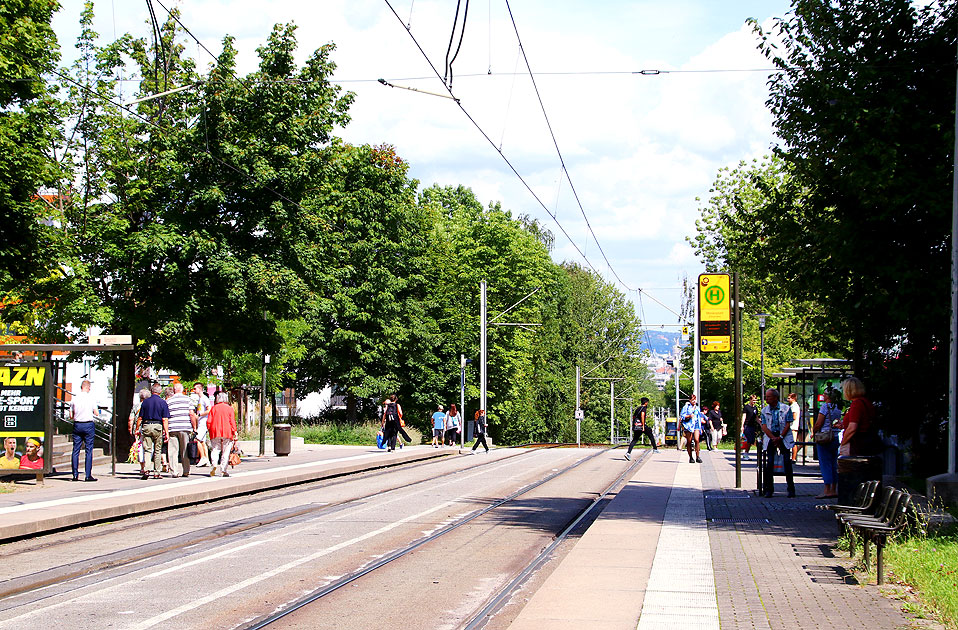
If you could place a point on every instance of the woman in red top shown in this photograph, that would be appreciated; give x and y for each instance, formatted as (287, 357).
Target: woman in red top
(222, 431)
(859, 420)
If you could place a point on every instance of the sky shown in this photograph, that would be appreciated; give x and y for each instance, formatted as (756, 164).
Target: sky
(641, 150)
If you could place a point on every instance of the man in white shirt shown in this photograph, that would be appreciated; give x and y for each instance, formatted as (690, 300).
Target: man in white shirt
(83, 411)
(203, 405)
(797, 429)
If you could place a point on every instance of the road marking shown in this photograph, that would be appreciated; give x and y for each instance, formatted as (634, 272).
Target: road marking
(273, 536)
(229, 590)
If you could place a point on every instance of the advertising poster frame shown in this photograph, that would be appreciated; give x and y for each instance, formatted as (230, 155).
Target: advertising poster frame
(26, 411)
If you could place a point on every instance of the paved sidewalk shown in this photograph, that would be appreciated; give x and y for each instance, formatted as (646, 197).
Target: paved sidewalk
(679, 546)
(60, 502)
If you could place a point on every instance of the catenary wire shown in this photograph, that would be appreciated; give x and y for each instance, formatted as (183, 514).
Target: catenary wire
(478, 127)
(555, 143)
(492, 143)
(506, 159)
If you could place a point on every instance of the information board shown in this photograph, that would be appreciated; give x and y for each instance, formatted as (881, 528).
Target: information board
(26, 423)
(715, 312)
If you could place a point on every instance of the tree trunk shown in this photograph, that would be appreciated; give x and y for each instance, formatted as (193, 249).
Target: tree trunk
(351, 407)
(125, 384)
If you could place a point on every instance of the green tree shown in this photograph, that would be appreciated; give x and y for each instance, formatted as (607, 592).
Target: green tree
(31, 241)
(848, 231)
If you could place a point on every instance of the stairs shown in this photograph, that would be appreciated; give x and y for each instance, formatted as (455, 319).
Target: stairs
(62, 451)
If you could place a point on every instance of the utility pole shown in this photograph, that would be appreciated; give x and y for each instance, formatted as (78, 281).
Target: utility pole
(698, 348)
(737, 319)
(482, 348)
(612, 413)
(578, 410)
(262, 409)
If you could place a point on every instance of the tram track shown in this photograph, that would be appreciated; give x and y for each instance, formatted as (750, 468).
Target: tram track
(316, 595)
(63, 574)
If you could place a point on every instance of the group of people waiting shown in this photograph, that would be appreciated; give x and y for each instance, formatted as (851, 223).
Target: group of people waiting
(171, 422)
(835, 433)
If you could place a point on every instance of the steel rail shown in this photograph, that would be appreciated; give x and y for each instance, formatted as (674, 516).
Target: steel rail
(497, 602)
(267, 620)
(119, 559)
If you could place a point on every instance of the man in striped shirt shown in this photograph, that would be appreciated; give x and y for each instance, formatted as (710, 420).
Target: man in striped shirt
(182, 425)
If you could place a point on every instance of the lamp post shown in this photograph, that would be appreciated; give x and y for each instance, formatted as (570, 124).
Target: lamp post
(761, 333)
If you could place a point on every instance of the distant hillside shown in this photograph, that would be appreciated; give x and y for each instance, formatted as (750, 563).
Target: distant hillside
(660, 341)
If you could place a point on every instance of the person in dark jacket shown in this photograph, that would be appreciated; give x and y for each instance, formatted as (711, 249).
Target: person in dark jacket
(640, 427)
(481, 428)
(392, 412)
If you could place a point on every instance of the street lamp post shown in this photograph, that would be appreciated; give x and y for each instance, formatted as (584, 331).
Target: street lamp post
(761, 333)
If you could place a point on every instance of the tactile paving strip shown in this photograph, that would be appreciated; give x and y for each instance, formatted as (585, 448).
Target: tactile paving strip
(681, 588)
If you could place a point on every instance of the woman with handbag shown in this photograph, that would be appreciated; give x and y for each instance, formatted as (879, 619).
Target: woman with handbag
(859, 436)
(827, 427)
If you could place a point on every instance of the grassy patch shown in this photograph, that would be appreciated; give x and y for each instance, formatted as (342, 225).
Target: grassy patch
(930, 565)
(7, 488)
(337, 433)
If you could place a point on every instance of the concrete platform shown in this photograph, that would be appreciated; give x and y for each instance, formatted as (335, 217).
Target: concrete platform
(59, 503)
(680, 547)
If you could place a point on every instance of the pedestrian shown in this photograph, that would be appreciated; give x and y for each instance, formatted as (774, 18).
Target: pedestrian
(859, 421)
(692, 428)
(715, 423)
(777, 427)
(182, 426)
(83, 411)
(221, 423)
(453, 425)
(481, 427)
(203, 405)
(154, 428)
(392, 413)
(798, 424)
(438, 426)
(640, 427)
(705, 431)
(750, 425)
(134, 426)
(827, 426)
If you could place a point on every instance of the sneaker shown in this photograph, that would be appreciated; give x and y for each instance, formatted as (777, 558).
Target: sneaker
(226, 473)
(698, 460)
(628, 457)
(745, 457)
(213, 472)
(691, 460)
(655, 450)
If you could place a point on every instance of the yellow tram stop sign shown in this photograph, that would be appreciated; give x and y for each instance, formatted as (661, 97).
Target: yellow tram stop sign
(715, 312)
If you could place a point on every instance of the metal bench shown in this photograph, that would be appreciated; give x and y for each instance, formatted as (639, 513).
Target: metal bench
(878, 532)
(882, 513)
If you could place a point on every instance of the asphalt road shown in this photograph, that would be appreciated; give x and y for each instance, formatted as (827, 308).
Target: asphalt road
(229, 564)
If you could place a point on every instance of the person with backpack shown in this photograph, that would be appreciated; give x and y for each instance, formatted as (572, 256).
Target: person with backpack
(640, 427)
(481, 428)
(392, 413)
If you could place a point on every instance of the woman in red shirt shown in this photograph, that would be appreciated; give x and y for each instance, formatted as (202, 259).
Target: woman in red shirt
(859, 420)
(222, 431)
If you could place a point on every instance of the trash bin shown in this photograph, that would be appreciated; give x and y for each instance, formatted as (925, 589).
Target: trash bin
(281, 438)
(852, 471)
